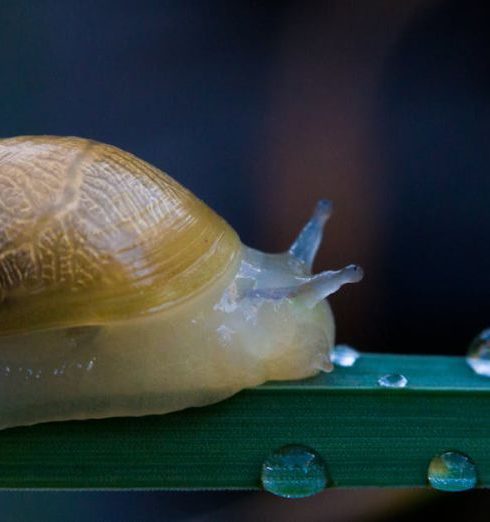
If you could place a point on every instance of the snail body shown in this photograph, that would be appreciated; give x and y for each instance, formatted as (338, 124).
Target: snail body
(121, 293)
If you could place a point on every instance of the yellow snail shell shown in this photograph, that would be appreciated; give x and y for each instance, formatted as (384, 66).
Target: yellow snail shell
(121, 293)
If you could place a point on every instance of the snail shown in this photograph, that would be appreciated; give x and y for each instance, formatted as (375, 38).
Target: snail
(123, 294)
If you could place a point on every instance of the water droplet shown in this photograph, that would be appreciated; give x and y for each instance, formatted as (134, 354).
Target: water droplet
(294, 471)
(452, 471)
(478, 356)
(344, 355)
(393, 380)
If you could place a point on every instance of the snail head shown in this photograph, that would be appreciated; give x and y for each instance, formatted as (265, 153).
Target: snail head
(282, 306)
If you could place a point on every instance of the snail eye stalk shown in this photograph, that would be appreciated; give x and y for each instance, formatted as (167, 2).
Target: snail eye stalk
(312, 289)
(306, 245)
(326, 283)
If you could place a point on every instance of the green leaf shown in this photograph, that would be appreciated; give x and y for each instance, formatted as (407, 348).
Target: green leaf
(367, 435)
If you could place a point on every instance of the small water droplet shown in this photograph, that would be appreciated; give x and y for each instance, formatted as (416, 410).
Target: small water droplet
(294, 471)
(344, 355)
(393, 380)
(478, 356)
(452, 471)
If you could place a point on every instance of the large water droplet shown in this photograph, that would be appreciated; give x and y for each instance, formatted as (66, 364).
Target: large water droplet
(393, 380)
(294, 471)
(478, 356)
(452, 471)
(344, 355)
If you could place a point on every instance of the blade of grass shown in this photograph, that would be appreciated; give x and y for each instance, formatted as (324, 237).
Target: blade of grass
(367, 435)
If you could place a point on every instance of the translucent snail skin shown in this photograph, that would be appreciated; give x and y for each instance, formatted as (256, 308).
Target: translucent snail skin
(121, 293)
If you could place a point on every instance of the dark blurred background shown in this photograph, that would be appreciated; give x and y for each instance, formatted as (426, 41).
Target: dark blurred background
(262, 108)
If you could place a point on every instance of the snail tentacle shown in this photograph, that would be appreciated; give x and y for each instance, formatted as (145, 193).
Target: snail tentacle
(326, 283)
(311, 290)
(306, 245)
